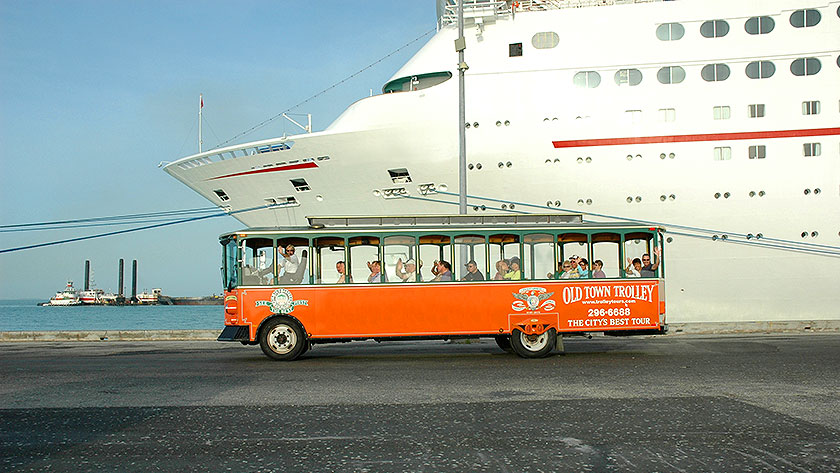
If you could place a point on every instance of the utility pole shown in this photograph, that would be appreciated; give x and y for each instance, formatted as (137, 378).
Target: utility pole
(460, 46)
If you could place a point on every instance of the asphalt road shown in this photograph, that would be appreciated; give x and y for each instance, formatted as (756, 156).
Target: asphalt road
(675, 403)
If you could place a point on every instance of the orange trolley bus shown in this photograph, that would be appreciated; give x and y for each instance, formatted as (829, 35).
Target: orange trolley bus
(524, 280)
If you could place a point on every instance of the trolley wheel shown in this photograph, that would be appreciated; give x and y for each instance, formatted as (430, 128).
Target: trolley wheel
(504, 343)
(283, 339)
(533, 346)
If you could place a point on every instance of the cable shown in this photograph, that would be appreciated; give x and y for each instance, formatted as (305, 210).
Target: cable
(266, 122)
(775, 243)
(128, 230)
(114, 217)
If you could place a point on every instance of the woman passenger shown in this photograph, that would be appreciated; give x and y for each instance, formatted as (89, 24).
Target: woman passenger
(502, 268)
(514, 274)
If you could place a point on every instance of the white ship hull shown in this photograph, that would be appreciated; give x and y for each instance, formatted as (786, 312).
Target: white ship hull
(646, 152)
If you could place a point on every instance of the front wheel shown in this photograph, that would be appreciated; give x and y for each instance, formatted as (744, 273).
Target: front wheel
(533, 346)
(283, 339)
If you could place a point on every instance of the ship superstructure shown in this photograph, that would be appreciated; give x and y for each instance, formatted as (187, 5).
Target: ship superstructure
(719, 120)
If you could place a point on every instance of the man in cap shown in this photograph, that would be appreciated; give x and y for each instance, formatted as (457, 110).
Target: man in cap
(407, 272)
(473, 274)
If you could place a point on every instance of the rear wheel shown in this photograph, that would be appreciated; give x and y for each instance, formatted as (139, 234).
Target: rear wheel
(283, 338)
(533, 346)
(504, 343)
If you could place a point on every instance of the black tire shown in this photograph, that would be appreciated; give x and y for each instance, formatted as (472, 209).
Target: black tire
(533, 346)
(282, 338)
(504, 343)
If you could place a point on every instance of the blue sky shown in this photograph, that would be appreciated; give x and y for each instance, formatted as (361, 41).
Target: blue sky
(94, 94)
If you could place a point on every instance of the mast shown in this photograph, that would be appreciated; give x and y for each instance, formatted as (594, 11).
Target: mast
(460, 46)
(200, 107)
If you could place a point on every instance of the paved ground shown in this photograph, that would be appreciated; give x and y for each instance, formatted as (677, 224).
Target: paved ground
(688, 403)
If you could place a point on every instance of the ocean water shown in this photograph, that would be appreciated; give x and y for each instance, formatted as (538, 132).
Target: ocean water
(26, 315)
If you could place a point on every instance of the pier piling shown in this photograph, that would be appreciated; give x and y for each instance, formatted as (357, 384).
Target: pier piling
(87, 275)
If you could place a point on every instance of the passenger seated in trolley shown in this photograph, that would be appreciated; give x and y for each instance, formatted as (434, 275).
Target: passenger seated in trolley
(649, 270)
(473, 274)
(291, 268)
(598, 270)
(288, 259)
(515, 274)
(341, 267)
(502, 268)
(407, 272)
(634, 268)
(583, 269)
(443, 271)
(375, 268)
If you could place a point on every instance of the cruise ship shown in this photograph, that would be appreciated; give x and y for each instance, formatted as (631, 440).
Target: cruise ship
(719, 120)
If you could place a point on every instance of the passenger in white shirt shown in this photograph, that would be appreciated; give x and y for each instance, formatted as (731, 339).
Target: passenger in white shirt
(634, 268)
(289, 260)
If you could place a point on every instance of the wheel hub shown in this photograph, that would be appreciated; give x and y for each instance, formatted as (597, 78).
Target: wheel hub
(282, 339)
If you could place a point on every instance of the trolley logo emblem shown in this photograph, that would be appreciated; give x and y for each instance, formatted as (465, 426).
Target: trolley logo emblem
(532, 299)
(282, 302)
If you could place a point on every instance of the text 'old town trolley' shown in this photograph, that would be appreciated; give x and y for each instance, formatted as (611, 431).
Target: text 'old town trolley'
(524, 280)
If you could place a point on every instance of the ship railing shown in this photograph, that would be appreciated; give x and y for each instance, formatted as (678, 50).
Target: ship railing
(486, 9)
(233, 152)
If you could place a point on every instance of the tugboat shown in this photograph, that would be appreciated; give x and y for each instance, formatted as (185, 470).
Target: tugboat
(148, 298)
(68, 296)
(92, 296)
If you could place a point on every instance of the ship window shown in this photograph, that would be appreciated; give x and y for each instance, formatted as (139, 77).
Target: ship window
(723, 153)
(759, 25)
(399, 176)
(634, 116)
(515, 49)
(714, 29)
(221, 194)
(300, 185)
(670, 31)
(722, 112)
(811, 149)
(758, 152)
(667, 114)
(756, 110)
(715, 72)
(671, 75)
(587, 79)
(805, 18)
(545, 40)
(760, 69)
(811, 107)
(629, 77)
(805, 66)
(417, 82)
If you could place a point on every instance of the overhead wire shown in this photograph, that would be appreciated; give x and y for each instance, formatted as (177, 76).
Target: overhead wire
(129, 230)
(322, 92)
(143, 215)
(699, 232)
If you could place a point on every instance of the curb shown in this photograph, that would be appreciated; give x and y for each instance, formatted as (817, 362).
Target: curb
(109, 335)
(676, 329)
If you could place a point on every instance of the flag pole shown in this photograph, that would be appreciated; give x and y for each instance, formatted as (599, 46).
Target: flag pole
(200, 107)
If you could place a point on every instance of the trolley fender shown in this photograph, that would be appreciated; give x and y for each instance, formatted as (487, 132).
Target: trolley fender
(534, 324)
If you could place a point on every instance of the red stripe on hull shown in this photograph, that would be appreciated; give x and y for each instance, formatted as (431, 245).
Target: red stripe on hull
(750, 135)
(288, 167)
